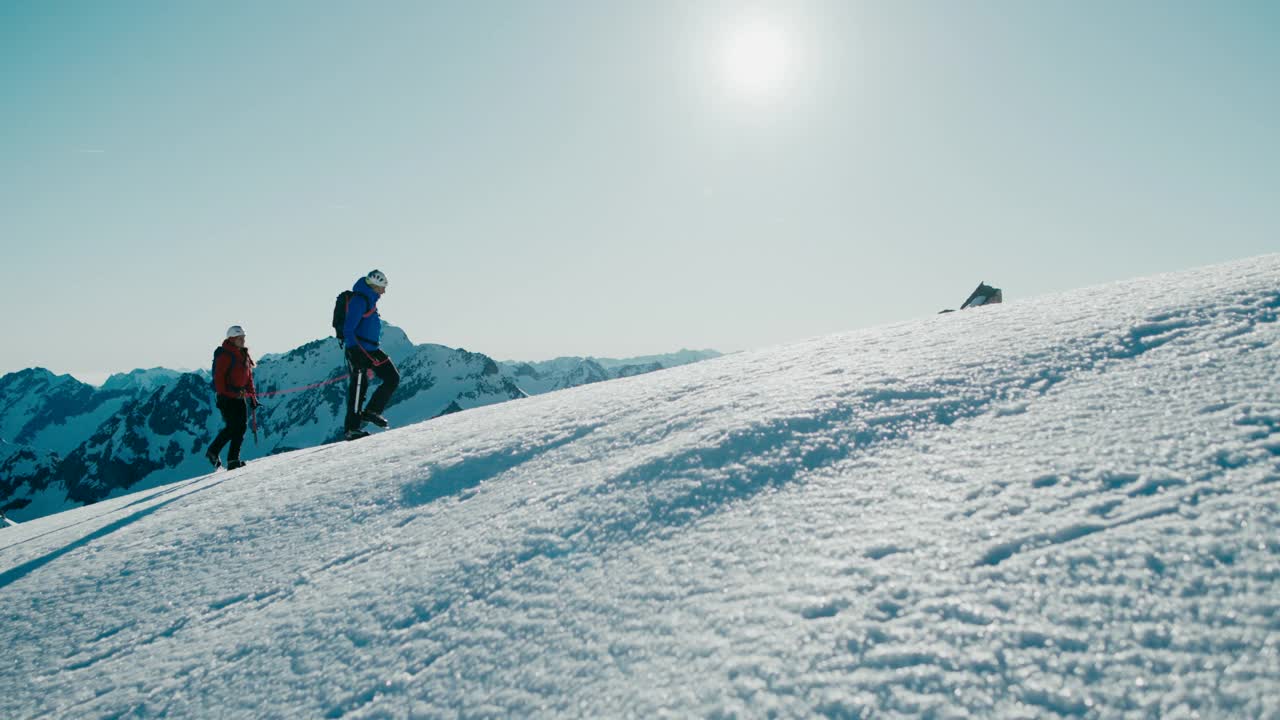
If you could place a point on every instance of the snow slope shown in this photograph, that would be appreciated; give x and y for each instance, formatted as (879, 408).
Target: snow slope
(1066, 506)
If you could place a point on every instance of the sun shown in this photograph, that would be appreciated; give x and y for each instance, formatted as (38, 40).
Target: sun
(755, 59)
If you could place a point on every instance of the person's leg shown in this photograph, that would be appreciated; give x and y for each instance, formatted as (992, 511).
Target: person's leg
(364, 390)
(224, 435)
(237, 423)
(355, 397)
(390, 377)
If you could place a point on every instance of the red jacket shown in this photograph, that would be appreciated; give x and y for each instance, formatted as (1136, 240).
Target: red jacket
(233, 372)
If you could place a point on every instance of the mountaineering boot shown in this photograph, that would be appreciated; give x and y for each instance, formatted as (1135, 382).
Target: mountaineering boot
(375, 418)
(355, 434)
(235, 464)
(213, 458)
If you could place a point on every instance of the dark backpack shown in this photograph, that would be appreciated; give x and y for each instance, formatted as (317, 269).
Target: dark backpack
(340, 311)
(213, 370)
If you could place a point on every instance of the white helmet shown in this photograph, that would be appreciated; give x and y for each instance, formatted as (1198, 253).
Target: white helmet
(235, 331)
(376, 278)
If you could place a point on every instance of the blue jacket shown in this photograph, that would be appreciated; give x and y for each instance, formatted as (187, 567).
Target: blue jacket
(363, 326)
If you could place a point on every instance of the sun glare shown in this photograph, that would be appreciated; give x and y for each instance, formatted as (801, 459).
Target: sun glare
(755, 59)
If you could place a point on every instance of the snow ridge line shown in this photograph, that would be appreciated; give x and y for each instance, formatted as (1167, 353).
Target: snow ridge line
(1035, 541)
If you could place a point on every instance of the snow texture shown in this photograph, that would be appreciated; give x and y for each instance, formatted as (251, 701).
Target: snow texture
(1059, 507)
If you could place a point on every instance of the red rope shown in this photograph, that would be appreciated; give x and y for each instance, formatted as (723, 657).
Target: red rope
(376, 363)
(330, 381)
(300, 388)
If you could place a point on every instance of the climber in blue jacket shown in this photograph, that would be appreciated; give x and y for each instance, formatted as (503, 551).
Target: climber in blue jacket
(362, 335)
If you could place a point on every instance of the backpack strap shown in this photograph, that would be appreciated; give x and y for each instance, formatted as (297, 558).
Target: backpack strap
(372, 307)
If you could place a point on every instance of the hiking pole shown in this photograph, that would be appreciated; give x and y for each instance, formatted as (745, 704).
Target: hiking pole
(253, 403)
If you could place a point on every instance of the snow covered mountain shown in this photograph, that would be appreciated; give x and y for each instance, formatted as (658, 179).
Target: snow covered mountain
(157, 437)
(566, 372)
(24, 471)
(666, 360)
(141, 379)
(53, 412)
(149, 427)
(1066, 506)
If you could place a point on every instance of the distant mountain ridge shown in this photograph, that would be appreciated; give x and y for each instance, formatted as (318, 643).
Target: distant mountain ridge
(67, 443)
(566, 372)
(149, 379)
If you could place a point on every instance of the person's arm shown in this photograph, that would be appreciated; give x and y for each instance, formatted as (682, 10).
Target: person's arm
(354, 313)
(253, 389)
(220, 369)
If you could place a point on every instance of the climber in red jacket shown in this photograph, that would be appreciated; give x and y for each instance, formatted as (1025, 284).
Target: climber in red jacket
(233, 383)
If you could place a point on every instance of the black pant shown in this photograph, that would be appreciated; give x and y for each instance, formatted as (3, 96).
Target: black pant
(235, 415)
(358, 360)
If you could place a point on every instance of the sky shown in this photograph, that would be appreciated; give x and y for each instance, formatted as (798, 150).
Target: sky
(610, 179)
